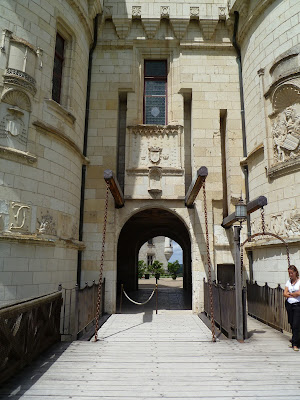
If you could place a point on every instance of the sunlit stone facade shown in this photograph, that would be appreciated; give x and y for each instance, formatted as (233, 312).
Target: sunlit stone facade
(53, 153)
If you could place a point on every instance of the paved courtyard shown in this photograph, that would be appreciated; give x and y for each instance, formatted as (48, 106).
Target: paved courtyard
(165, 356)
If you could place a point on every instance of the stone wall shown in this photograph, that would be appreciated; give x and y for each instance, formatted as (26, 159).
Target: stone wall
(202, 71)
(269, 38)
(41, 143)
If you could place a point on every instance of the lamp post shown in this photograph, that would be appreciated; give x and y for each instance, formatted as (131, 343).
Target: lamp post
(240, 215)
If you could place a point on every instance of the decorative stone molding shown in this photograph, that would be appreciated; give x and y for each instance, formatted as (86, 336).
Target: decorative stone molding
(179, 26)
(222, 13)
(17, 155)
(21, 79)
(208, 27)
(108, 11)
(284, 223)
(19, 217)
(285, 62)
(39, 240)
(164, 11)
(286, 134)
(14, 119)
(286, 95)
(59, 109)
(46, 225)
(194, 12)
(122, 26)
(18, 99)
(136, 11)
(155, 145)
(155, 180)
(151, 26)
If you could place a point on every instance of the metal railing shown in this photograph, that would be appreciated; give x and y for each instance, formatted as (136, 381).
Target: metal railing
(79, 309)
(224, 307)
(267, 305)
(27, 328)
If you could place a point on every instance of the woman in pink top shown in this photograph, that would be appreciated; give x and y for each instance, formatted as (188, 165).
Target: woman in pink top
(292, 304)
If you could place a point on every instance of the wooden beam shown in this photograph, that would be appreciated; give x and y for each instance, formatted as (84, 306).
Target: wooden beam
(257, 203)
(195, 186)
(252, 206)
(114, 188)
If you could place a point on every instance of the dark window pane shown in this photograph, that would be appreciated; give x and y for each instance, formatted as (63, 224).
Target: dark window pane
(59, 45)
(155, 88)
(57, 68)
(155, 68)
(155, 110)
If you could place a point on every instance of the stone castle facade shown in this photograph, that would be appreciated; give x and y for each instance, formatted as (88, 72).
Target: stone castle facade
(159, 248)
(152, 91)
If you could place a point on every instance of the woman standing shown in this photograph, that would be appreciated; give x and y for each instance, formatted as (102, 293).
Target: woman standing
(292, 304)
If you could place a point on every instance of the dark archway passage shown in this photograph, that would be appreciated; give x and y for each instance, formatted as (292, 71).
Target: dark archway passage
(141, 227)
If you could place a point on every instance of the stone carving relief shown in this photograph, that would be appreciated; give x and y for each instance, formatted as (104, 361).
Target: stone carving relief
(164, 11)
(14, 120)
(155, 180)
(19, 217)
(292, 224)
(285, 224)
(194, 12)
(108, 11)
(155, 145)
(286, 134)
(136, 11)
(222, 13)
(46, 225)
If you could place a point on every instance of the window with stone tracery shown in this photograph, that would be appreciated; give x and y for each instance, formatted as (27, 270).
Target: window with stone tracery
(155, 92)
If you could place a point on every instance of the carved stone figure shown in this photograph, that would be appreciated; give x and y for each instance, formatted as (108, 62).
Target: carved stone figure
(292, 224)
(286, 134)
(47, 225)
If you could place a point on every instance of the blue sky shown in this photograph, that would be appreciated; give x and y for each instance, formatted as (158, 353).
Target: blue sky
(177, 253)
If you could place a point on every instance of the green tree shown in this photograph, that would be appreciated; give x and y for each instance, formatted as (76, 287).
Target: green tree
(141, 268)
(156, 268)
(173, 268)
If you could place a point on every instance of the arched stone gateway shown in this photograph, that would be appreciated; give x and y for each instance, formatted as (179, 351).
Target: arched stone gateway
(141, 227)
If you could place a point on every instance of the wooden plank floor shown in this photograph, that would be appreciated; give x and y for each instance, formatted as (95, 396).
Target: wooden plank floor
(165, 356)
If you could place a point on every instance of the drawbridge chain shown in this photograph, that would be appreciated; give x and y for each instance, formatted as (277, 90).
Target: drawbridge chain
(209, 268)
(264, 233)
(101, 264)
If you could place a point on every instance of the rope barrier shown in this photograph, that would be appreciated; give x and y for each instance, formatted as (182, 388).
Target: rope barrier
(139, 304)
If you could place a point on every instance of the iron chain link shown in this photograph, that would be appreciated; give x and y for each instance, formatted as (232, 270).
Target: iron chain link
(101, 264)
(209, 268)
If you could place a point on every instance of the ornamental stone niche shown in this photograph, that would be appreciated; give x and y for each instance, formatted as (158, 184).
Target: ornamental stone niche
(154, 151)
(286, 122)
(14, 119)
(284, 95)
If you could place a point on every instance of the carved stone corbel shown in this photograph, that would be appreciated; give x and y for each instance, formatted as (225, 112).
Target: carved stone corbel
(151, 26)
(122, 26)
(208, 27)
(179, 26)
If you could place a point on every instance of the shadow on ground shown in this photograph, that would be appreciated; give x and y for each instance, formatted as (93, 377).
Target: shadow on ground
(16, 386)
